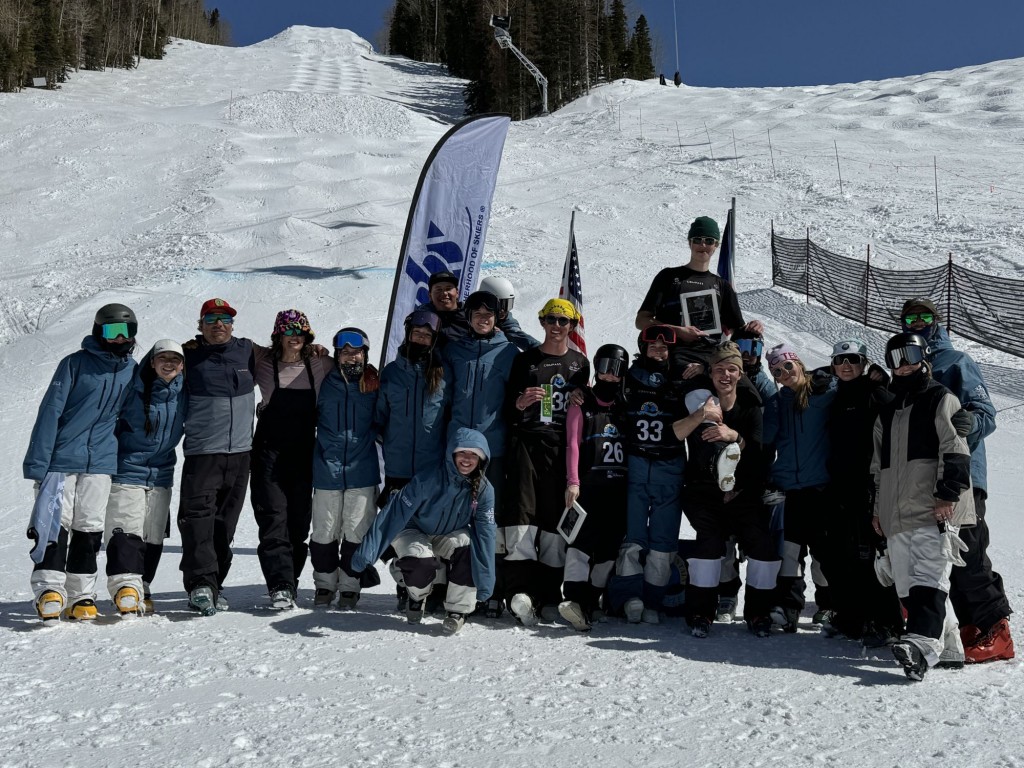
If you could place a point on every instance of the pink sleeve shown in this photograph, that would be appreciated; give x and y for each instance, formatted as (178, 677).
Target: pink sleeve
(573, 438)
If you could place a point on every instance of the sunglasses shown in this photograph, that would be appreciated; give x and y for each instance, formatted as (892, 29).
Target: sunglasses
(896, 358)
(111, 331)
(703, 241)
(789, 365)
(847, 359)
(752, 347)
(293, 332)
(555, 320)
(658, 333)
(211, 319)
(925, 317)
(610, 365)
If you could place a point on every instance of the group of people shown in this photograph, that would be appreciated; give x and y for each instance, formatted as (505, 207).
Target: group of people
(514, 481)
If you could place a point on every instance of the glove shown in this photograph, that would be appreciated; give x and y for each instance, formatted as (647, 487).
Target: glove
(953, 545)
(446, 547)
(883, 568)
(773, 497)
(963, 422)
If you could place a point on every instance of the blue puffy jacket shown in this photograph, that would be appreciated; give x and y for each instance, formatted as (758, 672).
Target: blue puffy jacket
(346, 447)
(958, 372)
(74, 429)
(143, 459)
(438, 502)
(480, 370)
(800, 438)
(412, 420)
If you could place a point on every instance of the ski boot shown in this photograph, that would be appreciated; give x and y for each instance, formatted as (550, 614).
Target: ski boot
(201, 601)
(127, 601)
(453, 622)
(50, 605)
(83, 610)
(573, 612)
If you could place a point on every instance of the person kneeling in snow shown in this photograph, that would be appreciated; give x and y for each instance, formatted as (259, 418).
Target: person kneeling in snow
(922, 476)
(445, 514)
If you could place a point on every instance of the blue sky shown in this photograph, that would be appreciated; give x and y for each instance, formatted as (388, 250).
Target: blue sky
(745, 42)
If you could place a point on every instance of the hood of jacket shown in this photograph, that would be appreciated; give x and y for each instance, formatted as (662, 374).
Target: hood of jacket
(464, 437)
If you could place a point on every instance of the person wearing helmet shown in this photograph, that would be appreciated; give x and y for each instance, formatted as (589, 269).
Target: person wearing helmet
(149, 428)
(751, 345)
(71, 457)
(443, 301)
(445, 514)
(481, 363)
(507, 324)
(541, 380)
(865, 610)
(701, 307)
(977, 591)
(281, 479)
(655, 460)
(346, 472)
(595, 469)
(921, 468)
(220, 406)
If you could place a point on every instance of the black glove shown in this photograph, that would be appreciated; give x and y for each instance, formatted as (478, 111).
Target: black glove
(963, 422)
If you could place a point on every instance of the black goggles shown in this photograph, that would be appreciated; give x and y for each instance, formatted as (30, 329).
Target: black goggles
(901, 356)
(423, 317)
(611, 365)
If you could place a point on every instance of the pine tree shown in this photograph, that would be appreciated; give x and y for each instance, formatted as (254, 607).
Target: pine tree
(641, 57)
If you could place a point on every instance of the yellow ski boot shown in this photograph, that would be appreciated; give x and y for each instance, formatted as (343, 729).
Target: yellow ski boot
(49, 605)
(83, 610)
(127, 601)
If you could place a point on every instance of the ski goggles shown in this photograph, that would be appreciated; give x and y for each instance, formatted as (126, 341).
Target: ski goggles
(703, 241)
(352, 339)
(660, 333)
(848, 359)
(212, 319)
(561, 320)
(505, 305)
(111, 331)
(895, 358)
(752, 347)
(425, 317)
(925, 317)
(780, 369)
(610, 365)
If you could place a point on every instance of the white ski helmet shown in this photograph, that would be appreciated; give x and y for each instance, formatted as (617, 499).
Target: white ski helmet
(503, 290)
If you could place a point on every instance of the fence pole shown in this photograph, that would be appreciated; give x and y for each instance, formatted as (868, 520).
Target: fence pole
(772, 224)
(708, 134)
(949, 292)
(679, 139)
(735, 154)
(771, 153)
(641, 123)
(867, 286)
(807, 267)
(935, 169)
(840, 170)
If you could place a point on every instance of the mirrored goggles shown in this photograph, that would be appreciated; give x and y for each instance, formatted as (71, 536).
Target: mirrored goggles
(925, 317)
(211, 319)
(658, 333)
(352, 339)
(752, 347)
(505, 305)
(900, 356)
(111, 331)
(851, 359)
(424, 317)
(611, 365)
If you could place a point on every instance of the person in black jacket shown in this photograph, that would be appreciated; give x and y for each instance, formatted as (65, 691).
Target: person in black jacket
(864, 609)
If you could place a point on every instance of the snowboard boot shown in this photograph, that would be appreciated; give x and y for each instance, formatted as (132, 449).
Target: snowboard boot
(700, 626)
(650, 616)
(634, 609)
(403, 598)
(50, 605)
(878, 636)
(282, 598)
(549, 613)
(127, 601)
(909, 657)
(414, 611)
(787, 618)
(83, 610)
(573, 612)
(201, 601)
(323, 598)
(453, 622)
(726, 609)
(760, 627)
(823, 616)
(222, 603)
(494, 609)
(725, 466)
(522, 606)
(347, 601)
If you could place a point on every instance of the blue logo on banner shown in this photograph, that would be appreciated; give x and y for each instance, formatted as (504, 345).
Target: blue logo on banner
(442, 256)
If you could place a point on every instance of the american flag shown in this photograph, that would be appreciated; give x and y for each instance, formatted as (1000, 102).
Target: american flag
(572, 289)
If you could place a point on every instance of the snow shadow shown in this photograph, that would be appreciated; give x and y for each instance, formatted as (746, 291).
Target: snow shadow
(302, 272)
(429, 91)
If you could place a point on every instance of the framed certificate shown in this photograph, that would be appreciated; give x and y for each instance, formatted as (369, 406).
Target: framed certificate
(700, 309)
(571, 521)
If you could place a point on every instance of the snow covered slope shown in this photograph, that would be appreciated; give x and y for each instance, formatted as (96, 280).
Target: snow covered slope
(280, 175)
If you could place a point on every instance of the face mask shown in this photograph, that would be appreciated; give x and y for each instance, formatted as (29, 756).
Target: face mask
(121, 350)
(605, 391)
(416, 352)
(900, 385)
(655, 366)
(351, 370)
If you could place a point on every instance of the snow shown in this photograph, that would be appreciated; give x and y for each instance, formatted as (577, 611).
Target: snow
(280, 175)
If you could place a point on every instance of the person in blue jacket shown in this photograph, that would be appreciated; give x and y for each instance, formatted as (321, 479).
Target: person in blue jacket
(446, 514)
(71, 456)
(507, 323)
(796, 433)
(976, 590)
(480, 364)
(346, 472)
(138, 510)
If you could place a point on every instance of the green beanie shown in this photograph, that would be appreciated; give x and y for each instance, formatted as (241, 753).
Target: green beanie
(704, 226)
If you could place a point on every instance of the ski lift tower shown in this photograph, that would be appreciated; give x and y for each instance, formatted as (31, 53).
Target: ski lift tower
(501, 34)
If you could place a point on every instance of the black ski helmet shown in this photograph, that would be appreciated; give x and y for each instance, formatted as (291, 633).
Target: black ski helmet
(906, 348)
(611, 358)
(423, 318)
(663, 333)
(110, 314)
(480, 299)
(353, 337)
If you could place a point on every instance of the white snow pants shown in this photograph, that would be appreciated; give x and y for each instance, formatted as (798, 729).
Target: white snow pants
(341, 517)
(411, 543)
(137, 511)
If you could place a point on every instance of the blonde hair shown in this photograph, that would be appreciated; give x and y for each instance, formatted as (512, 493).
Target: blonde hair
(803, 389)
